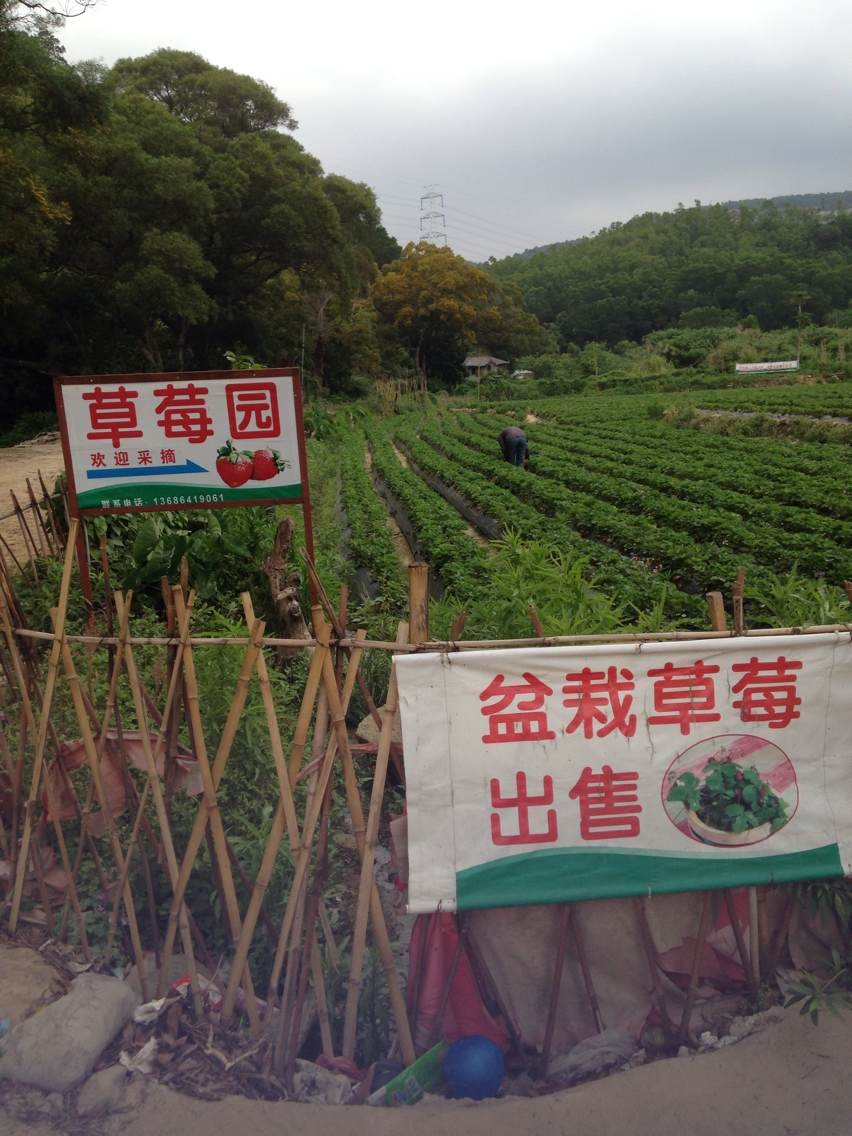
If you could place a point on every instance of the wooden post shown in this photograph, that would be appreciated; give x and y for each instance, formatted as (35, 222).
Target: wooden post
(716, 607)
(737, 597)
(418, 602)
(38, 522)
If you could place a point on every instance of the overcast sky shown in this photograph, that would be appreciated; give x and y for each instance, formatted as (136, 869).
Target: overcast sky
(538, 120)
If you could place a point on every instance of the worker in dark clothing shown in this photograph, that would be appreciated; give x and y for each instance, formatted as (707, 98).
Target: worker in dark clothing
(513, 445)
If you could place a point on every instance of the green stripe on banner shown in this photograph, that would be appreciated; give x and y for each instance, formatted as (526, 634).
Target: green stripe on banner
(180, 493)
(561, 875)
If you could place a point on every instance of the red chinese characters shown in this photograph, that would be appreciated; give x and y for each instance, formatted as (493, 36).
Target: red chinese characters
(253, 410)
(768, 691)
(684, 695)
(112, 415)
(527, 722)
(609, 804)
(523, 802)
(183, 412)
(167, 457)
(98, 461)
(600, 697)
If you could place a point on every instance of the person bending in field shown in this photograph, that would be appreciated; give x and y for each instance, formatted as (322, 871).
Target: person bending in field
(513, 446)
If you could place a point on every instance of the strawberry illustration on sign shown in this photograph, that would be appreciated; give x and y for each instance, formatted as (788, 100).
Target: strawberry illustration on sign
(267, 464)
(233, 466)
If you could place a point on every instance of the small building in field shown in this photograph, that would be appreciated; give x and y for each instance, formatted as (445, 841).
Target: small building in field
(479, 365)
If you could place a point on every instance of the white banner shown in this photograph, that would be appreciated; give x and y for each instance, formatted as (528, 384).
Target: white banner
(746, 368)
(546, 775)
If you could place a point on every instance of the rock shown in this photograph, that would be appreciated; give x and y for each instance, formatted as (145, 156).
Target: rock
(26, 982)
(592, 1056)
(684, 1051)
(178, 967)
(368, 731)
(103, 1092)
(321, 1086)
(60, 1045)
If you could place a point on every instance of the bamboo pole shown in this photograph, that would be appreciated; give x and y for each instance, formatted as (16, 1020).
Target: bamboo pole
(740, 941)
(122, 607)
(54, 520)
(451, 646)
(565, 917)
(29, 543)
(304, 934)
(356, 811)
(47, 702)
(208, 809)
(29, 718)
(294, 951)
(367, 881)
(285, 812)
(41, 529)
(703, 929)
(94, 769)
(301, 864)
(585, 970)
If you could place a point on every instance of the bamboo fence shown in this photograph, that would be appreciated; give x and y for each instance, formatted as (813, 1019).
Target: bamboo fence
(311, 756)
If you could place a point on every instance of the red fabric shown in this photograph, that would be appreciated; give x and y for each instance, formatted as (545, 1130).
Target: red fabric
(433, 946)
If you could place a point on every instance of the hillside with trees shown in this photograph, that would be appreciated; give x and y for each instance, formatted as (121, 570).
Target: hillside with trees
(696, 267)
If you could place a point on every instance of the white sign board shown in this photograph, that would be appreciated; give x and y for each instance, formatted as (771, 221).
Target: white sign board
(558, 774)
(756, 368)
(203, 439)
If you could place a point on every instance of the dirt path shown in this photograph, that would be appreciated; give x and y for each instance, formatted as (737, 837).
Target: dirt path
(17, 463)
(790, 1079)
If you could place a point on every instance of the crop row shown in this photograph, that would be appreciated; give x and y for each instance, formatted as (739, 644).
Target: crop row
(503, 493)
(459, 560)
(813, 459)
(747, 485)
(628, 417)
(737, 520)
(789, 473)
(369, 539)
(825, 399)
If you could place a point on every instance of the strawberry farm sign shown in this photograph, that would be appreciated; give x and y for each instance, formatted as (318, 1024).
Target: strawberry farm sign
(187, 440)
(558, 774)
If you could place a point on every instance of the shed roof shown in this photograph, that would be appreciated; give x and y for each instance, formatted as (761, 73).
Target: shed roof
(481, 360)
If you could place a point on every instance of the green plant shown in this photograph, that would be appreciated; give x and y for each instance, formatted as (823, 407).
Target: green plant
(814, 994)
(730, 798)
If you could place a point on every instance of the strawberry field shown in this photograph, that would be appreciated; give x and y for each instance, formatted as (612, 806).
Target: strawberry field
(652, 514)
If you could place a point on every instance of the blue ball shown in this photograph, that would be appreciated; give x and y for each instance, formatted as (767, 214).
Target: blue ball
(473, 1067)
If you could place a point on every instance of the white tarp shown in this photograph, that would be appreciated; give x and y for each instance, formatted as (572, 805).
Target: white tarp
(557, 774)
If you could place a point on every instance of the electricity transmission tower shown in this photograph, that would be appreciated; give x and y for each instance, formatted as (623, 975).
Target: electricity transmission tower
(433, 223)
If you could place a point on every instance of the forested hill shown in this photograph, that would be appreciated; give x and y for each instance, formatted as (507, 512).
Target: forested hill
(694, 267)
(822, 202)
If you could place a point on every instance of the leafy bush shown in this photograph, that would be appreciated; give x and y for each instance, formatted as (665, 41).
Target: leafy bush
(731, 798)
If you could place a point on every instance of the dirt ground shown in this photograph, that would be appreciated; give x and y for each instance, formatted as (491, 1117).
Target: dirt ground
(17, 463)
(790, 1079)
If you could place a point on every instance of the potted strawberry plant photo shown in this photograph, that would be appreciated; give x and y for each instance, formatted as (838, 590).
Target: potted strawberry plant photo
(730, 804)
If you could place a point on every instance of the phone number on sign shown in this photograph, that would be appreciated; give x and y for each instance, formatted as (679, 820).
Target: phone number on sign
(190, 499)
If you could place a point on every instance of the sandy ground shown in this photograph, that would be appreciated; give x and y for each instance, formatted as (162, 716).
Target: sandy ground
(17, 463)
(791, 1079)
